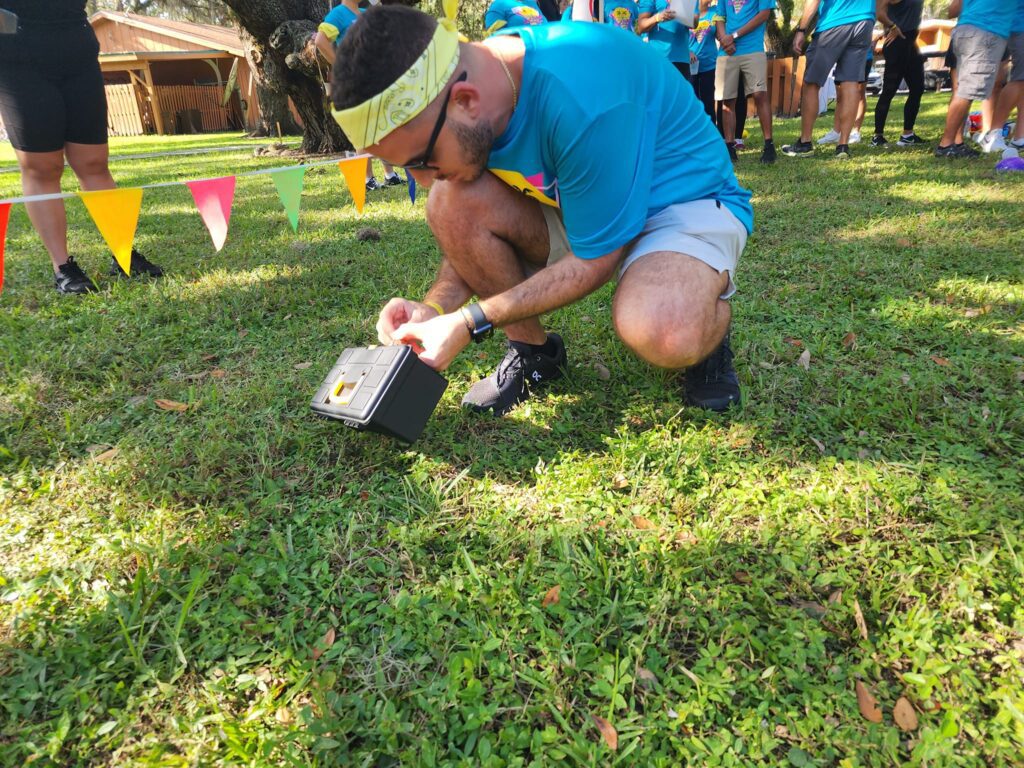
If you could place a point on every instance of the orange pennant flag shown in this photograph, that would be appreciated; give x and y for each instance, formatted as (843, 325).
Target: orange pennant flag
(116, 215)
(354, 172)
(5, 211)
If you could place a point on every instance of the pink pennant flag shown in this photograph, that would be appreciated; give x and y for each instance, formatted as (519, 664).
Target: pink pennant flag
(5, 212)
(213, 199)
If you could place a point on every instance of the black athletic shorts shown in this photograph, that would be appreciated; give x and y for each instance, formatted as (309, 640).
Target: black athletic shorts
(51, 87)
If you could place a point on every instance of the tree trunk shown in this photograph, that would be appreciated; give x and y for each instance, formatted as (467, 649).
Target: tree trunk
(275, 117)
(279, 35)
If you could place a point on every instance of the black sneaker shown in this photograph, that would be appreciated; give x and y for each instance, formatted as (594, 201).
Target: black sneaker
(394, 181)
(141, 267)
(798, 149)
(768, 153)
(878, 140)
(956, 152)
(69, 278)
(713, 384)
(522, 370)
(372, 184)
(913, 140)
(843, 150)
(732, 151)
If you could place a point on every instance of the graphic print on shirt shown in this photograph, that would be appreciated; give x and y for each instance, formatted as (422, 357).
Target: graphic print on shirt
(701, 30)
(529, 16)
(622, 18)
(531, 186)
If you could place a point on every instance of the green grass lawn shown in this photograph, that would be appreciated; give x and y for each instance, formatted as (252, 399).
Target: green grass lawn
(244, 584)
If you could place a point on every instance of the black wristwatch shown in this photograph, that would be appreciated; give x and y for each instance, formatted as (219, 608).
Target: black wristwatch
(802, 29)
(481, 327)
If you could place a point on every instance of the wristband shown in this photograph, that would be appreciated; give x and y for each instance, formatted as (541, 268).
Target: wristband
(802, 30)
(479, 326)
(434, 306)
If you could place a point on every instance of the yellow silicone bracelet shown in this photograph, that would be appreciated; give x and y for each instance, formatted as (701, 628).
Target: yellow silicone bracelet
(435, 306)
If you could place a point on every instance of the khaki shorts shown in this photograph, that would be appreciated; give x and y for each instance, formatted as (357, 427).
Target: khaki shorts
(978, 53)
(704, 229)
(753, 66)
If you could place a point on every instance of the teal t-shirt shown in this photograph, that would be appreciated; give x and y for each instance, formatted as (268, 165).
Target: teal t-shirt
(736, 13)
(670, 38)
(336, 23)
(512, 13)
(834, 13)
(622, 14)
(609, 145)
(1018, 20)
(703, 41)
(995, 16)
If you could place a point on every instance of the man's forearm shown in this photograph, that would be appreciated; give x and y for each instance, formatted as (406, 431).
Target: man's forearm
(810, 11)
(449, 290)
(556, 286)
(882, 13)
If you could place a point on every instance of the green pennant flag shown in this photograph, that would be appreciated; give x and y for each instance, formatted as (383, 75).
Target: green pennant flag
(289, 189)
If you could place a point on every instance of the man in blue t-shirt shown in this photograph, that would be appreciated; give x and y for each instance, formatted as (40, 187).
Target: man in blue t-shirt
(562, 156)
(331, 32)
(740, 30)
(979, 42)
(841, 40)
(665, 34)
(704, 47)
(512, 13)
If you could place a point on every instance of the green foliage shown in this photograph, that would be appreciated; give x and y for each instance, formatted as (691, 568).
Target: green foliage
(244, 584)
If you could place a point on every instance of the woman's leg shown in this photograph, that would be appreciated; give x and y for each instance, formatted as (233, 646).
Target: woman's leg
(40, 175)
(90, 164)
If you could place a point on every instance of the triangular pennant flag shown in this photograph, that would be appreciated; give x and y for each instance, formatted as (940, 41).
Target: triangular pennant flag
(354, 172)
(412, 187)
(289, 189)
(116, 215)
(5, 212)
(213, 199)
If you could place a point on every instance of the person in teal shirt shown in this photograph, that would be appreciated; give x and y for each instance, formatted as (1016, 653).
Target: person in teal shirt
(589, 158)
(665, 34)
(329, 34)
(704, 47)
(512, 13)
(623, 14)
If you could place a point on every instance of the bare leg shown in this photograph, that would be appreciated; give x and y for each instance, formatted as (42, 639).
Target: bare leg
(764, 114)
(846, 109)
(809, 110)
(490, 234)
(40, 175)
(729, 120)
(90, 164)
(1010, 96)
(988, 106)
(862, 106)
(955, 116)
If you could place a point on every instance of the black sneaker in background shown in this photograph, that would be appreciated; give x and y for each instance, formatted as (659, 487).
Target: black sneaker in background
(372, 184)
(956, 152)
(69, 278)
(798, 149)
(713, 384)
(842, 150)
(732, 151)
(913, 140)
(394, 181)
(768, 153)
(878, 140)
(523, 369)
(141, 267)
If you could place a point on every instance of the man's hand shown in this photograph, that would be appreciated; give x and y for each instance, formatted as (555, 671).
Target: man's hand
(399, 312)
(892, 33)
(438, 340)
(798, 43)
(728, 45)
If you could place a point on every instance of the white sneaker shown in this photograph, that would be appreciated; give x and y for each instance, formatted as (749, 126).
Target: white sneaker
(992, 142)
(832, 137)
(854, 137)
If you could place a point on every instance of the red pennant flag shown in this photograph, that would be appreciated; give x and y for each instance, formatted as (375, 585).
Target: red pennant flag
(5, 212)
(214, 198)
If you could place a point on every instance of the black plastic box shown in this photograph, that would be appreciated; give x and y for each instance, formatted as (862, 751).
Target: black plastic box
(381, 389)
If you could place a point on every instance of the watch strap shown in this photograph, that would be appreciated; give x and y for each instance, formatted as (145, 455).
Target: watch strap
(482, 327)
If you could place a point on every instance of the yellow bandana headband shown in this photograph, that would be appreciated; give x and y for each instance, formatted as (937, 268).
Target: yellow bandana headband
(400, 102)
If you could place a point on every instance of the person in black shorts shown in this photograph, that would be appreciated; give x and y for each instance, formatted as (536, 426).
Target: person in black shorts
(901, 20)
(54, 107)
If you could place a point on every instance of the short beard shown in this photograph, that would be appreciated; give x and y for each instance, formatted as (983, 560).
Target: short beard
(475, 142)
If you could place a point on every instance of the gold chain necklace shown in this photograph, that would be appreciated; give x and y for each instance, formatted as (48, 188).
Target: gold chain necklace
(515, 91)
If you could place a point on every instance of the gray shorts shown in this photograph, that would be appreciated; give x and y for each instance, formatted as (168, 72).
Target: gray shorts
(978, 53)
(1016, 48)
(704, 229)
(845, 47)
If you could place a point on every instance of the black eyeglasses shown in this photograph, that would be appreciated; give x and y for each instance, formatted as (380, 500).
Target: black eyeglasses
(423, 164)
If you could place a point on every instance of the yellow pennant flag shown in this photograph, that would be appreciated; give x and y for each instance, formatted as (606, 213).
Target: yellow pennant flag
(354, 172)
(116, 215)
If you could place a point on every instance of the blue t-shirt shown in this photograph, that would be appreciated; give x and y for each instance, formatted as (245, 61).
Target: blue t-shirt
(670, 38)
(1018, 20)
(609, 145)
(736, 13)
(995, 16)
(336, 23)
(833, 13)
(622, 14)
(703, 41)
(512, 13)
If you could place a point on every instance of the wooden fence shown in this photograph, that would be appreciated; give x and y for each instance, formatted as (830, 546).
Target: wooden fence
(180, 103)
(784, 78)
(123, 115)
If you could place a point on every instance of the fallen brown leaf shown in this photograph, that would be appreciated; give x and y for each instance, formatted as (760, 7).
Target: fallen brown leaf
(243, 332)
(218, 373)
(552, 597)
(209, 358)
(284, 716)
(811, 608)
(329, 637)
(836, 596)
(818, 444)
(941, 361)
(643, 523)
(170, 405)
(791, 340)
(904, 715)
(858, 617)
(608, 732)
(602, 372)
(106, 455)
(620, 482)
(804, 361)
(849, 339)
(741, 577)
(302, 366)
(867, 703)
(645, 675)
(902, 242)
(686, 538)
